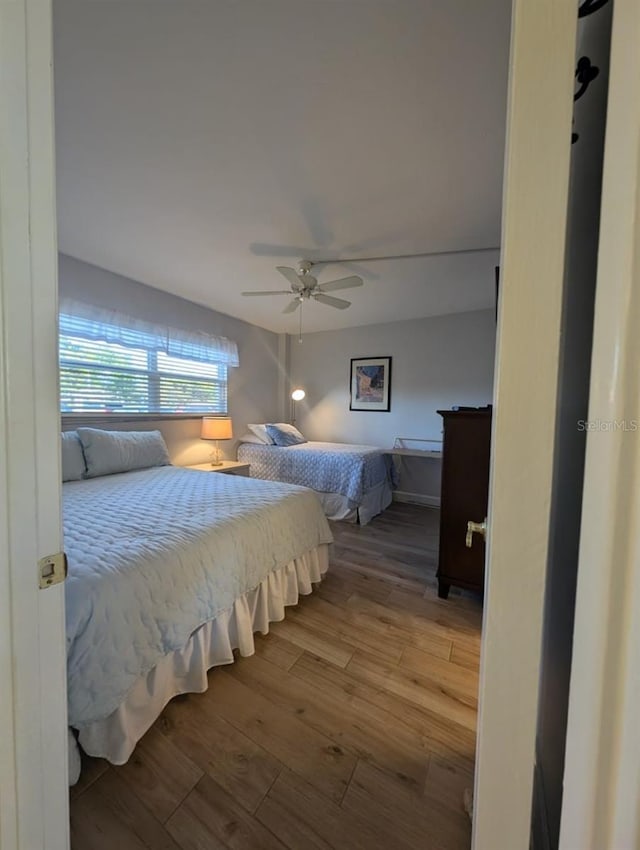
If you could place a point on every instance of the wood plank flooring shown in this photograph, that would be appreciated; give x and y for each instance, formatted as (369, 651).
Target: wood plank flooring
(353, 726)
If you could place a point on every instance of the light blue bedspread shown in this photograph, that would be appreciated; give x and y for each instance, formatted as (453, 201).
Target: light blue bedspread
(155, 554)
(327, 467)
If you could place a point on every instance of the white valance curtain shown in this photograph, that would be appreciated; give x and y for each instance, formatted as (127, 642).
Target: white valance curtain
(97, 323)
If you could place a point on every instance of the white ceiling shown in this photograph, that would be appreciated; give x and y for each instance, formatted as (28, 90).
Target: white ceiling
(200, 144)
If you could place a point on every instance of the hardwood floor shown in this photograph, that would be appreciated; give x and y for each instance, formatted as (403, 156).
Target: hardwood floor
(353, 725)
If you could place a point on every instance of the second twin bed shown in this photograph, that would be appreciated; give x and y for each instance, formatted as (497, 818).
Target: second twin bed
(353, 483)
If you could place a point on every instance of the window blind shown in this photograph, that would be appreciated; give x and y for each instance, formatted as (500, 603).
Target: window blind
(111, 363)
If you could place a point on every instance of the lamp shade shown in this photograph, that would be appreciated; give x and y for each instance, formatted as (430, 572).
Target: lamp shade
(216, 429)
(298, 394)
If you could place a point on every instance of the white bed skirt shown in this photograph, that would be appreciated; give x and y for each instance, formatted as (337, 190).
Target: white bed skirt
(374, 501)
(185, 671)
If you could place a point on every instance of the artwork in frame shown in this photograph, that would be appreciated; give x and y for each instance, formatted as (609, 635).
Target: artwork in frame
(371, 384)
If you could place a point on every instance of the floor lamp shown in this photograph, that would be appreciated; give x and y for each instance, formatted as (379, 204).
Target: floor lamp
(297, 395)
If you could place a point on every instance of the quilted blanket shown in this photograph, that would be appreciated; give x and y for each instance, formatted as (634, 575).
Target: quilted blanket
(327, 467)
(156, 553)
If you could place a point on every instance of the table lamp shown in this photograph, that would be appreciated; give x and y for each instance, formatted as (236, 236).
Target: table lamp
(216, 429)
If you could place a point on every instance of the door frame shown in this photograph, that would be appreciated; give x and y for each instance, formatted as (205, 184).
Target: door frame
(535, 203)
(33, 745)
(601, 780)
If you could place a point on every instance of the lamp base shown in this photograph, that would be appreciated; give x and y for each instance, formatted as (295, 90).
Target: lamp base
(216, 460)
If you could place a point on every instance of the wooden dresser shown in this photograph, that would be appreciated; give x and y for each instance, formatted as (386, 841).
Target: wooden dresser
(464, 496)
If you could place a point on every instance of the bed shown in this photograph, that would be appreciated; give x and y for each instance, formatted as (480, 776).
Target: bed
(170, 570)
(354, 483)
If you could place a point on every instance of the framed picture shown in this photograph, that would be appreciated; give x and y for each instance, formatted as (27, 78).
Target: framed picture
(371, 383)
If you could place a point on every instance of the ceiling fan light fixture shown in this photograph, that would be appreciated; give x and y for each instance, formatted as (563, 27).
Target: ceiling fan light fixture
(304, 287)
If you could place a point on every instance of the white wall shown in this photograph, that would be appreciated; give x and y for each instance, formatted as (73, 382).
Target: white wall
(253, 386)
(437, 362)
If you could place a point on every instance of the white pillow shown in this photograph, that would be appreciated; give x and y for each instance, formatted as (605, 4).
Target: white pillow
(109, 452)
(260, 431)
(251, 438)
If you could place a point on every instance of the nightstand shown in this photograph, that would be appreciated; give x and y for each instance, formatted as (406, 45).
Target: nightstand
(228, 467)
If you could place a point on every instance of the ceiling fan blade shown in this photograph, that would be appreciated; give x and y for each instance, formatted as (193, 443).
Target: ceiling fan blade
(331, 302)
(292, 276)
(269, 292)
(265, 249)
(292, 306)
(342, 283)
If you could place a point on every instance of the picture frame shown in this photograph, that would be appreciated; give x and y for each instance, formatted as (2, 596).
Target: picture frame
(370, 384)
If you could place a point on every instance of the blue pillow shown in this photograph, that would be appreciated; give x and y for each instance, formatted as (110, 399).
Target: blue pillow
(285, 435)
(108, 452)
(73, 465)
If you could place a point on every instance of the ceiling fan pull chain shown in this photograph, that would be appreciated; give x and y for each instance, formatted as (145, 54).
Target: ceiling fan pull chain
(300, 330)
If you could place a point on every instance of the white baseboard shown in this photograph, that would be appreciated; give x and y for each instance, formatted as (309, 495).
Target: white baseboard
(416, 499)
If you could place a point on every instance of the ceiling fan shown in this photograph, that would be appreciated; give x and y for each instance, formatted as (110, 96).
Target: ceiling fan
(305, 286)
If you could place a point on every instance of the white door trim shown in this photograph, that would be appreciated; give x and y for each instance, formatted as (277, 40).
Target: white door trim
(537, 164)
(33, 743)
(602, 781)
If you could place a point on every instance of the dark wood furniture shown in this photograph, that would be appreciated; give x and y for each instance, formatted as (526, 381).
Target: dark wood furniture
(464, 496)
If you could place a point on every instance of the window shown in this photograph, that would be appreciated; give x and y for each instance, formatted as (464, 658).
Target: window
(114, 364)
